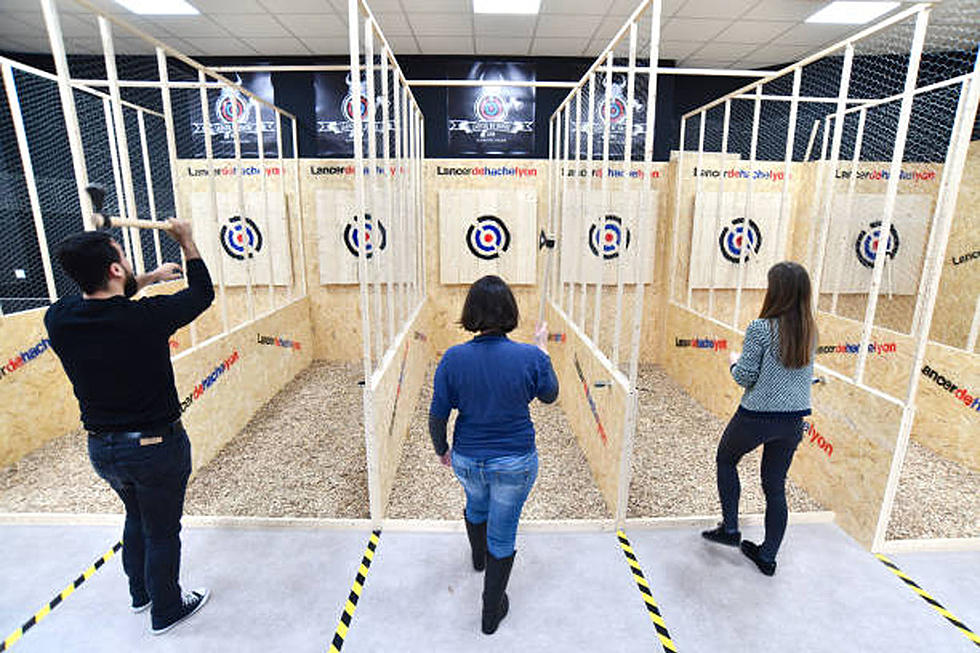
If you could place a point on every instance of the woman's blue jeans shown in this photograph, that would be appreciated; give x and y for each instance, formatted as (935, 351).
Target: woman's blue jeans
(496, 490)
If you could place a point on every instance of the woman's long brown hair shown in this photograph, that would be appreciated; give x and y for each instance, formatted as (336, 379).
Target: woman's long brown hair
(788, 301)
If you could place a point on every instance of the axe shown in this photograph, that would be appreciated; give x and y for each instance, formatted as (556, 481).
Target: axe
(97, 195)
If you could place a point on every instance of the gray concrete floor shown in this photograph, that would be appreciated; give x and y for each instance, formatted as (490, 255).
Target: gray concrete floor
(283, 590)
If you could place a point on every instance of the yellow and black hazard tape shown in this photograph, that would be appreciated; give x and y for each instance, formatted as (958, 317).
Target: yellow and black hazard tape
(972, 636)
(641, 582)
(355, 593)
(53, 603)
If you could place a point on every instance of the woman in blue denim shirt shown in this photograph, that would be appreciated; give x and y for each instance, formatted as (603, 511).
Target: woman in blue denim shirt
(490, 381)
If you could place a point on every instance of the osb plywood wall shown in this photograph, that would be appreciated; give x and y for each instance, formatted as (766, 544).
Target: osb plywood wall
(596, 418)
(36, 399)
(224, 382)
(395, 393)
(860, 427)
(959, 288)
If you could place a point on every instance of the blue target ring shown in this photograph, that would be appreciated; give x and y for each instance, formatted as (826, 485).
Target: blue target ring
(241, 239)
(488, 237)
(606, 239)
(352, 236)
(868, 241)
(738, 242)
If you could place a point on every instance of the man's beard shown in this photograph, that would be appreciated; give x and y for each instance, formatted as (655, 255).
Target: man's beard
(130, 288)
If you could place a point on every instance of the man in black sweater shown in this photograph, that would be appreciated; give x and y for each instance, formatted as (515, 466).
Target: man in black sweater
(116, 354)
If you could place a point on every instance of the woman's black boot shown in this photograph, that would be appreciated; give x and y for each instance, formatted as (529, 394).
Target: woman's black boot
(478, 542)
(495, 602)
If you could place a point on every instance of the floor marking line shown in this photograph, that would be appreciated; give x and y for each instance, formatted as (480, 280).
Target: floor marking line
(641, 583)
(936, 605)
(59, 598)
(347, 617)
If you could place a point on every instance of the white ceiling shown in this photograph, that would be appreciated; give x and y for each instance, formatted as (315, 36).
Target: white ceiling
(697, 33)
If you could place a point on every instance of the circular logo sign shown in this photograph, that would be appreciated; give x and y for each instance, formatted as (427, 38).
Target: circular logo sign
(488, 237)
(491, 108)
(866, 245)
(606, 239)
(373, 238)
(617, 110)
(240, 238)
(738, 243)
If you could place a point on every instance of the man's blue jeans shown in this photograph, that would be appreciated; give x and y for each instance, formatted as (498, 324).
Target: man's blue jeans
(151, 479)
(496, 490)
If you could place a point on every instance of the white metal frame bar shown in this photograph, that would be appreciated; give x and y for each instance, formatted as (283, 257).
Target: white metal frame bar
(148, 182)
(29, 181)
(213, 192)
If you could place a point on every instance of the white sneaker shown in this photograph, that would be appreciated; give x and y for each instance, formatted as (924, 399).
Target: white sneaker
(192, 602)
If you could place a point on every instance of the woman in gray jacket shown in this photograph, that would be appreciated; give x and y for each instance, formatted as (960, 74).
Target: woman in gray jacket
(776, 370)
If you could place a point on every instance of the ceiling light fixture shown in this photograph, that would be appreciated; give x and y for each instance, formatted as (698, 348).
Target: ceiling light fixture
(527, 7)
(159, 7)
(851, 13)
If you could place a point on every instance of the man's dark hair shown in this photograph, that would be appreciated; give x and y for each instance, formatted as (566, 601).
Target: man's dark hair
(490, 307)
(86, 258)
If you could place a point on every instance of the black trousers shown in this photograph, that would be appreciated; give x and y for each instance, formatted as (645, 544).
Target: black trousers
(779, 437)
(149, 472)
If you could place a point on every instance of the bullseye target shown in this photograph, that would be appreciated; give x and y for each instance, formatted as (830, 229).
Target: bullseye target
(488, 237)
(866, 245)
(738, 243)
(607, 239)
(617, 110)
(240, 239)
(375, 236)
(491, 108)
(348, 107)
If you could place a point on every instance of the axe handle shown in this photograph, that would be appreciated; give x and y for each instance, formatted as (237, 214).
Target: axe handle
(101, 221)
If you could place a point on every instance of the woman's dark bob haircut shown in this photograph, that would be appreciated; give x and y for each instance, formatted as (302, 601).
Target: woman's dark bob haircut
(490, 307)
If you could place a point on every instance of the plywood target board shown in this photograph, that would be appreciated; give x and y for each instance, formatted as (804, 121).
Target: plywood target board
(732, 230)
(339, 229)
(241, 236)
(855, 240)
(485, 232)
(609, 232)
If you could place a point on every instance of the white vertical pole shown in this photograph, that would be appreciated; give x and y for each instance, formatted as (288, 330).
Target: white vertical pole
(586, 209)
(270, 253)
(128, 192)
(971, 339)
(281, 162)
(236, 127)
(53, 24)
(604, 194)
(299, 207)
(579, 204)
(400, 235)
(404, 172)
(948, 196)
(110, 129)
(895, 170)
(383, 331)
(749, 185)
(213, 190)
(674, 254)
(374, 482)
(25, 162)
(702, 118)
(548, 255)
(843, 238)
(720, 203)
(168, 122)
(782, 228)
(148, 180)
(627, 166)
(563, 304)
(829, 168)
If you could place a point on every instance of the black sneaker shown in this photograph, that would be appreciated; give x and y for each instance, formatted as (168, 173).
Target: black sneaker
(140, 605)
(721, 536)
(193, 601)
(751, 551)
